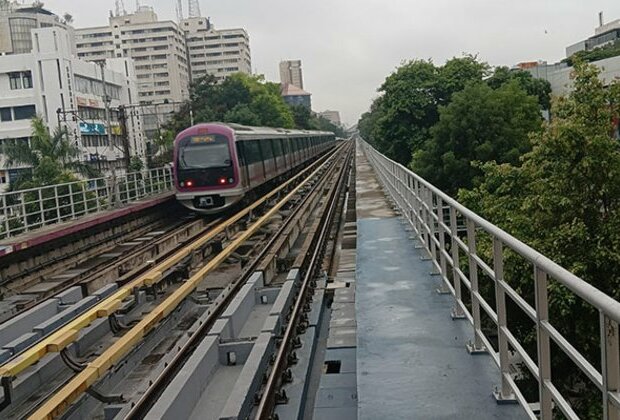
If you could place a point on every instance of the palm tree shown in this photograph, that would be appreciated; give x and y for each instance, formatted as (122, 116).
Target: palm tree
(49, 147)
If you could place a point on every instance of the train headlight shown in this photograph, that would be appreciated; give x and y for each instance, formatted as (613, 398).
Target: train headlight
(222, 180)
(189, 183)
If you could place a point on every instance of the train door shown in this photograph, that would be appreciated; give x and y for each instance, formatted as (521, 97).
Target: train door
(243, 165)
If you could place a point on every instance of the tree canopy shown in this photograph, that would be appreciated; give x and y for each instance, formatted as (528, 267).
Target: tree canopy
(52, 157)
(564, 200)
(539, 88)
(408, 106)
(480, 124)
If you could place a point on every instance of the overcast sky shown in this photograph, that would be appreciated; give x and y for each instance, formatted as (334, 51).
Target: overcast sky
(348, 47)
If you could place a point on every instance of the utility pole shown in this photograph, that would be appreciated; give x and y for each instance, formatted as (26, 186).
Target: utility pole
(122, 118)
(106, 101)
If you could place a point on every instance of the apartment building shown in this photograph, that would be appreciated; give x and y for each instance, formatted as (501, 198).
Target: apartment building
(290, 73)
(219, 52)
(157, 48)
(51, 82)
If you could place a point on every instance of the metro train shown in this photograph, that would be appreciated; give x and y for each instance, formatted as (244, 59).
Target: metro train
(216, 164)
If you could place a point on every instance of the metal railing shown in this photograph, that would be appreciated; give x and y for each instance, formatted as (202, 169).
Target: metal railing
(435, 218)
(26, 210)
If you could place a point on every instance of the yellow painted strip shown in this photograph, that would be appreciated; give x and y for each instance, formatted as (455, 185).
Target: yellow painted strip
(67, 338)
(35, 353)
(70, 392)
(108, 308)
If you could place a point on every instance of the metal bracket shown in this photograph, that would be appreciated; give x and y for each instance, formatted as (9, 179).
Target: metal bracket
(504, 399)
(471, 349)
(106, 399)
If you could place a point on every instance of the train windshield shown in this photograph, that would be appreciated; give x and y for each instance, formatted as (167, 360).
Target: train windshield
(205, 151)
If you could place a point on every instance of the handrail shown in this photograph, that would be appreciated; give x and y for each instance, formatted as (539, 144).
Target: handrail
(30, 209)
(423, 206)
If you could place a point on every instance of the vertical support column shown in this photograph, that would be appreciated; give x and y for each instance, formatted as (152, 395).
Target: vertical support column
(457, 311)
(610, 354)
(477, 347)
(543, 344)
(504, 394)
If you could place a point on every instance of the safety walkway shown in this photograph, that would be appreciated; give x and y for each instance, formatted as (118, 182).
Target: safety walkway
(412, 361)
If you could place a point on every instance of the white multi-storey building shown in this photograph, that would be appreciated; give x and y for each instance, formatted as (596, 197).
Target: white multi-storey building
(64, 90)
(157, 47)
(219, 52)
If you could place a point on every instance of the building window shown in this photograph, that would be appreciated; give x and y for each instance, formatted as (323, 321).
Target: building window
(27, 79)
(15, 80)
(24, 112)
(5, 114)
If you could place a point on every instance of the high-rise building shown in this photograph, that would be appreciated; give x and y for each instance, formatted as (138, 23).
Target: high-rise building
(16, 24)
(332, 116)
(65, 91)
(219, 52)
(157, 48)
(290, 72)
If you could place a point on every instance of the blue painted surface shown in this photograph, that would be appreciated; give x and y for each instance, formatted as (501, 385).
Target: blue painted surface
(411, 357)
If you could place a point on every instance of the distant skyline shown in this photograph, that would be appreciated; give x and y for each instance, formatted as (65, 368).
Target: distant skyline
(348, 47)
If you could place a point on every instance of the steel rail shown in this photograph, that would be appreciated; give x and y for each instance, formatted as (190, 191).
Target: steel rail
(97, 368)
(141, 407)
(268, 397)
(69, 333)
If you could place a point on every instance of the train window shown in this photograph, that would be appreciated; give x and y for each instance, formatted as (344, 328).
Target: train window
(201, 152)
(252, 151)
(277, 147)
(265, 146)
(286, 147)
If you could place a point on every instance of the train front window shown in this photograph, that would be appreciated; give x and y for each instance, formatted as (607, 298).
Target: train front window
(202, 152)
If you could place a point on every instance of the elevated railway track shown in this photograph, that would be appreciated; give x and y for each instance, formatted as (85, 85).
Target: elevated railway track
(127, 347)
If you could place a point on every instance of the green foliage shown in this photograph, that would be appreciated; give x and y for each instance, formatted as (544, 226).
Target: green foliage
(239, 99)
(136, 164)
(564, 200)
(304, 118)
(480, 124)
(607, 51)
(51, 155)
(400, 119)
(536, 87)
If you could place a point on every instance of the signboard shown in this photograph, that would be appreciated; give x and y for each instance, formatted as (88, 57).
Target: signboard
(81, 101)
(94, 103)
(116, 130)
(92, 128)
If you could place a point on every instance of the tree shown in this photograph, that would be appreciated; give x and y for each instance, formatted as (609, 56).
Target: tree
(51, 155)
(564, 201)
(303, 118)
(535, 87)
(480, 124)
(400, 119)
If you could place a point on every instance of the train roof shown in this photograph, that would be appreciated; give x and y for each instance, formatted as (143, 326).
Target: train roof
(247, 132)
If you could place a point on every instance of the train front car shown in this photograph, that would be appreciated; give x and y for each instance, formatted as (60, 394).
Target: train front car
(207, 168)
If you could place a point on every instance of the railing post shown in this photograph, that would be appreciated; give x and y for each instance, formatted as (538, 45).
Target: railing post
(543, 344)
(477, 347)
(57, 201)
(41, 208)
(610, 354)
(5, 212)
(504, 394)
(71, 202)
(443, 271)
(22, 199)
(457, 311)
